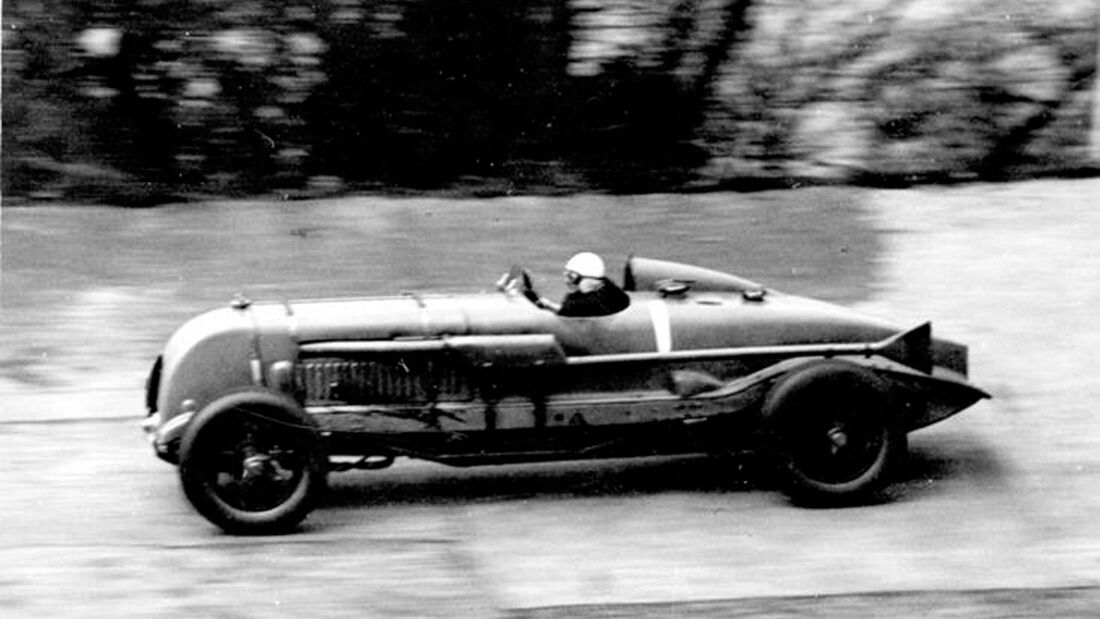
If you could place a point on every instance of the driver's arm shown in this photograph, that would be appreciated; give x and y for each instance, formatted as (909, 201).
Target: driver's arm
(534, 297)
(543, 302)
(519, 280)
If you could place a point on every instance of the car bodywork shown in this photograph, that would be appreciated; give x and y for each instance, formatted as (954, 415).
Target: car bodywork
(490, 378)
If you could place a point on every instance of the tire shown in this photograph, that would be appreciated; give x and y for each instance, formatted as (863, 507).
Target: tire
(834, 433)
(252, 463)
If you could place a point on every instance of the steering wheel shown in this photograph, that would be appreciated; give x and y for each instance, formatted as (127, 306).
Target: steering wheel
(517, 279)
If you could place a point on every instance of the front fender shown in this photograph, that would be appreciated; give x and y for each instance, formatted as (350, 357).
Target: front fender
(208, 356)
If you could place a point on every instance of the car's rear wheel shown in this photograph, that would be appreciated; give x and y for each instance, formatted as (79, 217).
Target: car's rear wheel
(834, 433)
(252, 463)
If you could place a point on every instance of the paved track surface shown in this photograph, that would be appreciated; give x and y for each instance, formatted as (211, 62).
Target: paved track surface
(995, 516)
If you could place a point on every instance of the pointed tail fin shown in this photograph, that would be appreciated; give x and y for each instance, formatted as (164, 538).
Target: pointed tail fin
(912, 348)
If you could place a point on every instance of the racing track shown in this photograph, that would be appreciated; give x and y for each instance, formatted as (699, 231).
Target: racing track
(996, 515)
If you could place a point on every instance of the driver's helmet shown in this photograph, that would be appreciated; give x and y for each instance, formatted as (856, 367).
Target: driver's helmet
(585, 264)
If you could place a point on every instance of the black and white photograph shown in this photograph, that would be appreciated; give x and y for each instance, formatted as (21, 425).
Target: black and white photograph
(550, 309)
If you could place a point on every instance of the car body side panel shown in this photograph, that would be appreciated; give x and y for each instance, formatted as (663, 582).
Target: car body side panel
(421, 365)
(703, 320)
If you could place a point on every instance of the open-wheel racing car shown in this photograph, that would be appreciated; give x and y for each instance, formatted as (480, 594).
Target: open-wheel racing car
(258, 402)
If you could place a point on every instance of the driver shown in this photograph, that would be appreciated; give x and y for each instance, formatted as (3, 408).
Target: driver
(591, 293)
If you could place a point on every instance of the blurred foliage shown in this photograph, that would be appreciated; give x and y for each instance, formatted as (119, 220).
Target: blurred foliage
(911, 90)
(135, 101)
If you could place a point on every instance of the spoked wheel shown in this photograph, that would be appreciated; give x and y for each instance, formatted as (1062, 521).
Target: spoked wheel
(252, 463)
(834, 433)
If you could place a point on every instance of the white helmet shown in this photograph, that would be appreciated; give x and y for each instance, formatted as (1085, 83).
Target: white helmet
(586, 264)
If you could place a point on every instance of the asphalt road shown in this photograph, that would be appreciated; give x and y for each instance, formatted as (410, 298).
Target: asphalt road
(995, 516)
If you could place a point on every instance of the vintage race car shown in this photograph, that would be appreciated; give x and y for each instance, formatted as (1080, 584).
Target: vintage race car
(258, 402)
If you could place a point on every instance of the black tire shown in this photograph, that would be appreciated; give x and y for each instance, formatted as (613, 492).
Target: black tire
(834, 433)
(252, 463)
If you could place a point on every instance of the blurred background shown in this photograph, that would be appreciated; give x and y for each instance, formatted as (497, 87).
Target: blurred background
(145, 101)
(331, 147)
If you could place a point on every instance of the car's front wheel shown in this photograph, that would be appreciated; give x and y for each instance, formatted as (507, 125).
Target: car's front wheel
(252, 463)
(834, 433)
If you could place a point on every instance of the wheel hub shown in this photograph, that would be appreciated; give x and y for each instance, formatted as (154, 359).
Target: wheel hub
(255, 466)
(264, 465)
(838, 439)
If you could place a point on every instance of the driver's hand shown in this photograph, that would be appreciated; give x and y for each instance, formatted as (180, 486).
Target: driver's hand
(508, 282)
(528, 287)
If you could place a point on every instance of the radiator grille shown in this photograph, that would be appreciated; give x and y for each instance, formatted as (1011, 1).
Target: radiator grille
(407, 378)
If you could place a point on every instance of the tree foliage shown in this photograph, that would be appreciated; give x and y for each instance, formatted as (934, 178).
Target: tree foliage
(136, 100)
